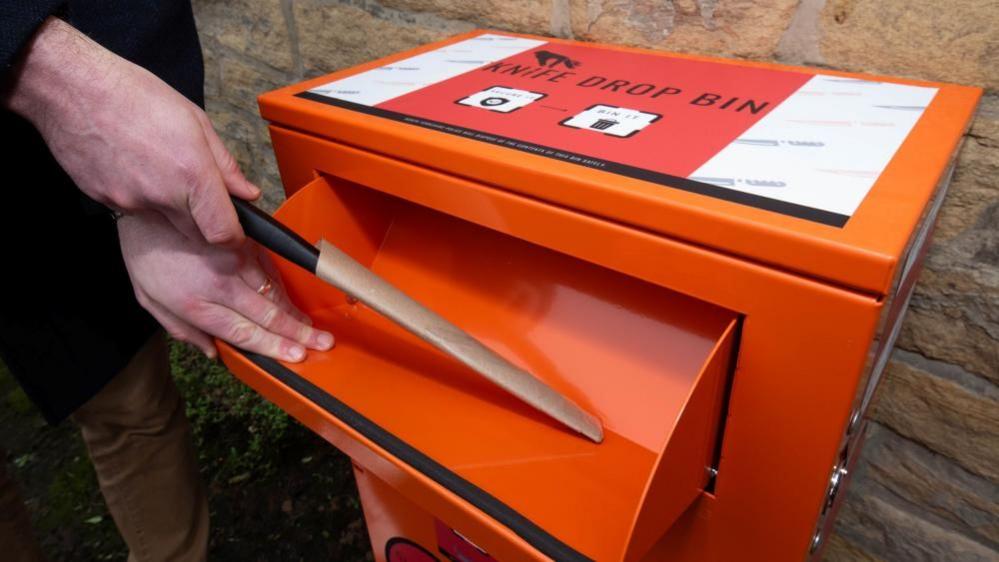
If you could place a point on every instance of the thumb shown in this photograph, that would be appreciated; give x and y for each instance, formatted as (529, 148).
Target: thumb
(213, 214)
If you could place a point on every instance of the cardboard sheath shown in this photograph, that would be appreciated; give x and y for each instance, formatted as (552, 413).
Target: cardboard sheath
(340, 270)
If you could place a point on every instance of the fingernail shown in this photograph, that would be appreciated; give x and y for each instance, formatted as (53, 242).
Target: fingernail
(296, 353)
(325, 340)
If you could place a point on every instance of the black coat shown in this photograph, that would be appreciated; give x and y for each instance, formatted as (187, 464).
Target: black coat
(68, 317)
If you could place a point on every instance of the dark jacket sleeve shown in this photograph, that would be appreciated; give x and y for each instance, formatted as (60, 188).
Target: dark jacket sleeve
(18, 21)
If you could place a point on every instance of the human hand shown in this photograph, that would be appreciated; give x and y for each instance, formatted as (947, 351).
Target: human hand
(197, 290)
(126, 138)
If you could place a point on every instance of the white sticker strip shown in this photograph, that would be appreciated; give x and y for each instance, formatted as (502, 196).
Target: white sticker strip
(610, 120)
(399, 78)
(824, 146)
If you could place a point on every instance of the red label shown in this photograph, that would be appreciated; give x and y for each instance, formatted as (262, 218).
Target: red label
(661, 114)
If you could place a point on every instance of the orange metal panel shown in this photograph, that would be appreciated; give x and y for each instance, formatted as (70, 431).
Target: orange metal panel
(389, 515)
(626, 350)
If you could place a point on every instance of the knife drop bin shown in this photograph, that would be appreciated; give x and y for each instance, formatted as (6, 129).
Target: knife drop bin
(712, 256)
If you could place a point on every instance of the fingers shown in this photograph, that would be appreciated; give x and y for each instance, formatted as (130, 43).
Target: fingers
(267, 324)
(256, 277)
(280, 297)
(274, 319)
(242, 332)
(235, 182)
(212, 211)
(181, 330)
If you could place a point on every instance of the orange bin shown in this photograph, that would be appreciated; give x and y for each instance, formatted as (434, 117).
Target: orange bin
(614, 222)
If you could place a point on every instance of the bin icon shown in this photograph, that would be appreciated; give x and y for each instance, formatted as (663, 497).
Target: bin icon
(723, 305)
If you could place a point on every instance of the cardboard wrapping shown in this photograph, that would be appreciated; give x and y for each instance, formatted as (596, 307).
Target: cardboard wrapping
(343, 272)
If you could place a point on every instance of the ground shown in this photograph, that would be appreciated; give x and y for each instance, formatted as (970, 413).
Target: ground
(277, 491)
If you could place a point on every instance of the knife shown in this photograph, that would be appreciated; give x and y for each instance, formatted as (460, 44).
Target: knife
(335, 267)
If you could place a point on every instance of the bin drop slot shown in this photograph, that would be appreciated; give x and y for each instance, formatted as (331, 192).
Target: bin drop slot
(649, 362)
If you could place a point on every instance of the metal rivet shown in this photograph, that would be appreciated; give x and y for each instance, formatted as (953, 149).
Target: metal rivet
(835, 483)
(854, 422)
(816, 541)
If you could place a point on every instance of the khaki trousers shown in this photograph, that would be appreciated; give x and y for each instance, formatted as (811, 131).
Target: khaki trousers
(140, 443)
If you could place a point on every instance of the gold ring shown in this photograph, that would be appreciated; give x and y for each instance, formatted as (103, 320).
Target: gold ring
(265, 288)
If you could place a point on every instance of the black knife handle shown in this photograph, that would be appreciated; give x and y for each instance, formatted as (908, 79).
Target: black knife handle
(276, 237)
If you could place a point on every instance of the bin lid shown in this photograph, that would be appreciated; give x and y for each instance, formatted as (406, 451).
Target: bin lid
(822, 173)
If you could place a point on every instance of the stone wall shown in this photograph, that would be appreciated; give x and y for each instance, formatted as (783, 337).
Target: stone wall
(926, 485)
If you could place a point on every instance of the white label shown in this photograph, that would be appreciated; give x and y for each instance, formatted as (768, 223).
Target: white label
(500, 99)
(399, 78)
(824, 146)
(610, 120)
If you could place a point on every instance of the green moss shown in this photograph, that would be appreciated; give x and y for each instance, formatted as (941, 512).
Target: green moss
(235, 429)
(13, 397)
(71, 493)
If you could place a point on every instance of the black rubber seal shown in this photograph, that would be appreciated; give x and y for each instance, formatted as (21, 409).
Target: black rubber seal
(502, 513)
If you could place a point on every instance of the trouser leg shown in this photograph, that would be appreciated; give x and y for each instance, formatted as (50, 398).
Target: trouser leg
(140, 443)
(17, 538)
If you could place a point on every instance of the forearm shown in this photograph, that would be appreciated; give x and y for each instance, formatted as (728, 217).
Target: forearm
(58, 66)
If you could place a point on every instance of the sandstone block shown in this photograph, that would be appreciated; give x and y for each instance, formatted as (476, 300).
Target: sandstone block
(882, 530)
(242, 82)
(839, 549)
(334, 36)
(525, 16)
(213, 72)
(954, 314)
(974, 187)
(268, 179)
(930, 482)
(739, 28)
(942, 415)
(256, 28)
(952, 41)
(953, 317)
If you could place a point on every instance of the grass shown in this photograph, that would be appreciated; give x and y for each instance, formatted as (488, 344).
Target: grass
(277, 491)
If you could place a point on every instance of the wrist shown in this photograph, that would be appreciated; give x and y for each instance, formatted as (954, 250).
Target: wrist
(56, 71)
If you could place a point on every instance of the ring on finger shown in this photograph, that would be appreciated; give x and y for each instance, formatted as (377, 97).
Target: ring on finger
(265, 287)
